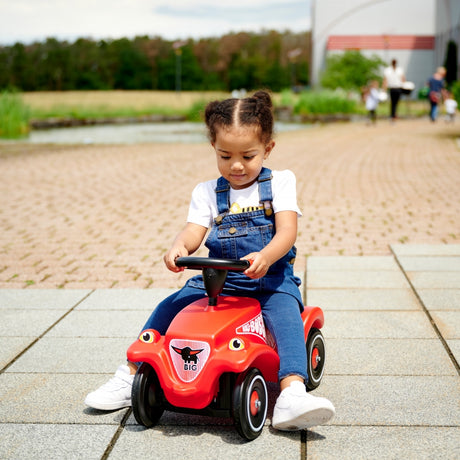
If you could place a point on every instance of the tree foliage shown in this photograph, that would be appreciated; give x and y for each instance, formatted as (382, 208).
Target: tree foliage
(233, 61)
(350, 70)
(450, 62)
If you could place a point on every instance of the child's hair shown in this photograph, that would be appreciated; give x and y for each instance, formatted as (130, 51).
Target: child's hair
(251, 111)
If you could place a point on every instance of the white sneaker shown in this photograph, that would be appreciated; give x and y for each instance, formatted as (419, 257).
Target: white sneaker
(295, 409)
(115, 394)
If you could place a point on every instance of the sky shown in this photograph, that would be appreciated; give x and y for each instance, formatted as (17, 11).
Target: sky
(27, 21)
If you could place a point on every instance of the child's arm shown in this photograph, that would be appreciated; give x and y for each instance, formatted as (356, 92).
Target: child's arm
(282, 242)
(185, 243)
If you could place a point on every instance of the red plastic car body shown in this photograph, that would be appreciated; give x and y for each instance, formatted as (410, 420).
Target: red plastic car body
(216, 357)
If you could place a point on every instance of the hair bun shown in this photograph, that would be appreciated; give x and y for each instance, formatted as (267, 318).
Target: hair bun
(264, 98)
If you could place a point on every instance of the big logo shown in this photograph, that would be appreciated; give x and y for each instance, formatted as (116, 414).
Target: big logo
(255, 327)
(189, 357)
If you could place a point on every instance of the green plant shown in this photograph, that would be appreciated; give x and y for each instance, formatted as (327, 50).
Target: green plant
(351, 71)
(196, 111)
(14, 116)
(455, 88)
(324, 102)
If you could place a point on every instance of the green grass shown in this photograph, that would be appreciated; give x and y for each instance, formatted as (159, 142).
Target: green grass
(85, 113)
(14, 116)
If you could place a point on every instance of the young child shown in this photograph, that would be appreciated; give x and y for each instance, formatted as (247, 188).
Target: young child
(264, 203)
(451, 107)
(372, 100)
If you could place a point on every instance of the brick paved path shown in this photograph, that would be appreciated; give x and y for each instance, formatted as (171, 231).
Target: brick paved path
(103, 216)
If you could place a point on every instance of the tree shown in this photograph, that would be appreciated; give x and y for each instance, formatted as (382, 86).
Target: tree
(450, 62)
(350, 70)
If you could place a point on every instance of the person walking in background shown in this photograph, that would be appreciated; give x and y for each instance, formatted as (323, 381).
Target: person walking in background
(451, 107)
(372, 99)
(436, 89)
(393, 80)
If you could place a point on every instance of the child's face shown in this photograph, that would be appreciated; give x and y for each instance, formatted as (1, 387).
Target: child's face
(240, 155)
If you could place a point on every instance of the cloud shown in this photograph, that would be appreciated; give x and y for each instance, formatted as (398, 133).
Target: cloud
(274, 12)
(35, 20)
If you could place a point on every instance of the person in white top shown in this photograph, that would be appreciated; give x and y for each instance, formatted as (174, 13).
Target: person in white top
(372, 98)
(451, 107)
(393, 80)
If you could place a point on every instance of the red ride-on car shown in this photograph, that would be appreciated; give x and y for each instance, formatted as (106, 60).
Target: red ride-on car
(216, 356)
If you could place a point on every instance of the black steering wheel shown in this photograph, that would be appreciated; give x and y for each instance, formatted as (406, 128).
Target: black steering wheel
(199, 263)
(214, 272)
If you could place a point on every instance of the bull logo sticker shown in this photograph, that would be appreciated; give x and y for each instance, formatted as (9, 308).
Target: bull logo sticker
(189, 357)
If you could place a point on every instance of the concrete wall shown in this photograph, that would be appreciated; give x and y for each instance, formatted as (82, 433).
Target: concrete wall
(384, 18)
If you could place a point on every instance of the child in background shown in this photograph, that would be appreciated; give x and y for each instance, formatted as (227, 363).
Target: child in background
(372, 100)
(451, 107)
(264, 202)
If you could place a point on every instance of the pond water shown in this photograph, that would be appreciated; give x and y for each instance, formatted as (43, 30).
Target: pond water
(182, 132)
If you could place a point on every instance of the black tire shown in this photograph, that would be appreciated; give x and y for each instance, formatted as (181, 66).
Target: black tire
(316, 356)
(250, 403)
(146, 396)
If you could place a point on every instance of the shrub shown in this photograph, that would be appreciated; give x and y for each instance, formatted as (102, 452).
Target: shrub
(324, 102)
(14, 116)
(351, 71)
(455, 88)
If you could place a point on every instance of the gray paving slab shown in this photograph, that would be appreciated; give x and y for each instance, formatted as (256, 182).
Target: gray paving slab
(73, 355)
(384, 443)
(393, 400)
(52, 399)
(430, 264)
(440, 299)
(387, 357)
(100, 323)
(439, 280)
(377, 325)
(203, 443)
(426, 249)
(10, 347)
(333, 263)
(124, 299)
(388, 279)
(454, 346)
(23, 323)
(448, 323)
(50, 299)
(51, 441)
(393, 383)
(363, 299)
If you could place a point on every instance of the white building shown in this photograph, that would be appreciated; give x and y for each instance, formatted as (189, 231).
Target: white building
(414, 32)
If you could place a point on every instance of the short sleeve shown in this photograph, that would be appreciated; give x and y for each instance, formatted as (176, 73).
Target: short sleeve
(284, 192)
(203, 206)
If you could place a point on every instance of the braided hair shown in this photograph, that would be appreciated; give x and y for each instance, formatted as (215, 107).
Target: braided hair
(256, 111)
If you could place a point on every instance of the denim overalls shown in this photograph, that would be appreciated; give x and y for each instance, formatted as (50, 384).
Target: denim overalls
(233, 236)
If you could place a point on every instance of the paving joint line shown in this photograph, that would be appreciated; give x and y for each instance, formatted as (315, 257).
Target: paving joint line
(43, 334)
(117, 435)
(428, 315)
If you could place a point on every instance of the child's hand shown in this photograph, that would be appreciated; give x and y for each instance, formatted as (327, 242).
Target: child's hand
(171, 256)
(259, 265)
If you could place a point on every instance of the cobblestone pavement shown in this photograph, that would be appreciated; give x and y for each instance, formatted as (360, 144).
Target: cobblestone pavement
(103, 216)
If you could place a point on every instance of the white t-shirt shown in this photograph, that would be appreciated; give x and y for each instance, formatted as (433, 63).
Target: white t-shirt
(372, 99)
(451, 105)
(394, 77)
(203, 206)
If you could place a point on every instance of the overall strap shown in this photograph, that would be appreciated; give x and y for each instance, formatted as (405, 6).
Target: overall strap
(265, 190)
(223, 195)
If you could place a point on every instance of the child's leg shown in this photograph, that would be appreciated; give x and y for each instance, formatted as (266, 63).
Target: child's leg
(295, 409)
(167, 309)
(282, 317)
